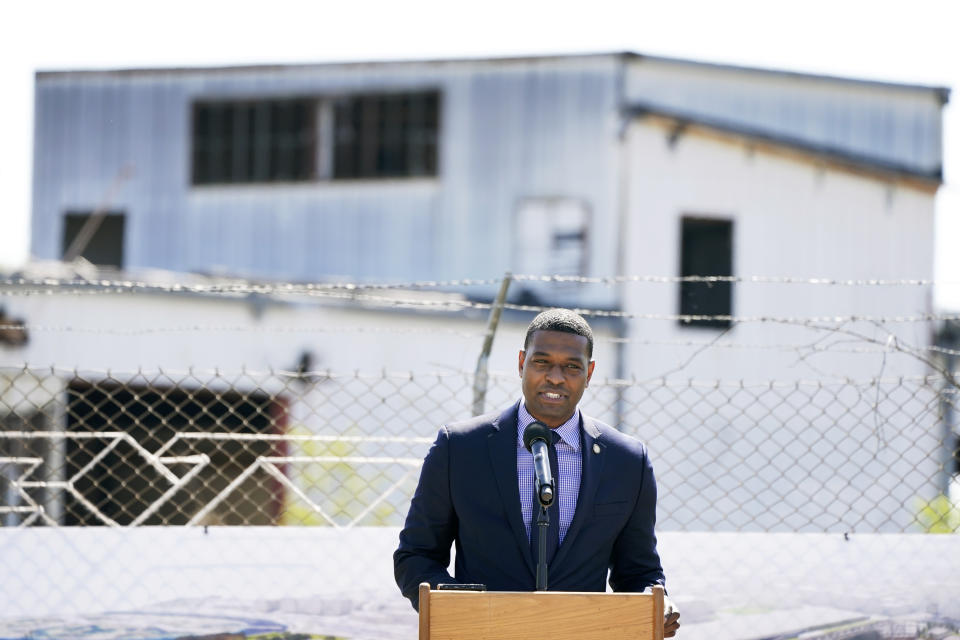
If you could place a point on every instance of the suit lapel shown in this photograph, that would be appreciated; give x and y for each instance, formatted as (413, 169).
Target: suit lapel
(591, 452)
(502, 445)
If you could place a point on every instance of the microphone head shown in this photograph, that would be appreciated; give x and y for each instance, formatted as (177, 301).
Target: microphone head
(546, 495)
(536, 431)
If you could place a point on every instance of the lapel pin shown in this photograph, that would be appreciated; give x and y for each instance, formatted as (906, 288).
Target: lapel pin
(596, 448)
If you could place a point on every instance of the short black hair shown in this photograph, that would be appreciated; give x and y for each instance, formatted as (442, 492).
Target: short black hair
(560, 320)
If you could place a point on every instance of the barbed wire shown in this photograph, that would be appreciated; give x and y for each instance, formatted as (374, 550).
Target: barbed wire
(400, 331)
(73, 285)
(201, 328)
(455, 306)
(389, 295)
(454, 303)
(863, 282)
(797, 320)
(319, 375)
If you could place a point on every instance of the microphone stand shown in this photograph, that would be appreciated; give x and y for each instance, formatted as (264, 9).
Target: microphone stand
(543, 524)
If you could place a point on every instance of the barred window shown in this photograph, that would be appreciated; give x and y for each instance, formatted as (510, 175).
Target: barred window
(254, 141)
(386, 135)
(305, 140)
(706, 249)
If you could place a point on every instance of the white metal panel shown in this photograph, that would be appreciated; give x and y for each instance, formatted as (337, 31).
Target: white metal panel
(899, 125)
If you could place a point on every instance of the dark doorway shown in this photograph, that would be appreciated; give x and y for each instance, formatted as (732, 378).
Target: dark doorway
(116, 479)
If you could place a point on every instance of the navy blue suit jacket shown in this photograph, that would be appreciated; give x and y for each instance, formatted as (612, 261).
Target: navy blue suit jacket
(468, 496)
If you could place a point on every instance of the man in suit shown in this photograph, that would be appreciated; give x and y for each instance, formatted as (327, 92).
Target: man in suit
(476, 488)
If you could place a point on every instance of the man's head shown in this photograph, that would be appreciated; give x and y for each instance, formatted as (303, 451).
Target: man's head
(561, 320)
(555, 365)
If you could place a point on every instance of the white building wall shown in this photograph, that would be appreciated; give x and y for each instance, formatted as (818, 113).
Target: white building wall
(791, 219)
(758, 426)
(197, 338)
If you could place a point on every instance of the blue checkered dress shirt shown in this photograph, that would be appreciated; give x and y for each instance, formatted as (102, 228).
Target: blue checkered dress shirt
(568, 459)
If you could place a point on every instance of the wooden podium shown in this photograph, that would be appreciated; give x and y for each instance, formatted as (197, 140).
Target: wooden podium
(558, 615)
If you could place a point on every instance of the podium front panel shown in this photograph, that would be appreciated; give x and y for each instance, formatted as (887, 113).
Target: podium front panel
(464, 615)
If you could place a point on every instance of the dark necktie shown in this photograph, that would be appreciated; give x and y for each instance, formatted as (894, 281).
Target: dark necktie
(553, 531)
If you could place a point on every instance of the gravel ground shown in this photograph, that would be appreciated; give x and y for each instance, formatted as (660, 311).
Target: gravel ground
(174, 583)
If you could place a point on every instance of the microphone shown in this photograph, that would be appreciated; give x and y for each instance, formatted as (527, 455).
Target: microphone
(537, 438)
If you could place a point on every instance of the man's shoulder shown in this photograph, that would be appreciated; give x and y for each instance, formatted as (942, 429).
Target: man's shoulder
(482, 424)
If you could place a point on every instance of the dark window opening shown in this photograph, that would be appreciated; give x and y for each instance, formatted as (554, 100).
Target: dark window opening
(117, 481)
(250, 142)
(386, 136)
(706, 249)
(95, 237)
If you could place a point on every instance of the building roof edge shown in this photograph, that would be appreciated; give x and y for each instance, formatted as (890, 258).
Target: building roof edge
(933, 178)
(942, 92)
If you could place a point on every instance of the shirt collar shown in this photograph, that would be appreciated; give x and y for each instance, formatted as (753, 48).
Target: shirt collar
(569, 431)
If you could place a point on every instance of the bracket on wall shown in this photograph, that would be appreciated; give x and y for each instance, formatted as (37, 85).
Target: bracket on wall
(677, 130)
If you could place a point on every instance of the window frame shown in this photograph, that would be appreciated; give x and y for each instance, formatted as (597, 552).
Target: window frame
(375, 147)
(688, 301)
(232, 170)
(400, 146)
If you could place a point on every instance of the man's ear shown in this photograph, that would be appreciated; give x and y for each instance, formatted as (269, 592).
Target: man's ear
(523, 356)
(590, 371)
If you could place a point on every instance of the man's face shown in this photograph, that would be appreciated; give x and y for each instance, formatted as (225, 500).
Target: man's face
(555, 370)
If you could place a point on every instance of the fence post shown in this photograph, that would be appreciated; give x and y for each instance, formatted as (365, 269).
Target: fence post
(950, 441)
(480, 375)
(948, 337)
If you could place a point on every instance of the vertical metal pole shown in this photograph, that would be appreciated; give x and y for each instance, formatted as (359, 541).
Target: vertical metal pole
(948, 398)
(543, 526)
(480, 376)
(948, 337)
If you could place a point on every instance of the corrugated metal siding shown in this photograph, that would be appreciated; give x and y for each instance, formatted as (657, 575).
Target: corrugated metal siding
(509, 132)
(896, 125)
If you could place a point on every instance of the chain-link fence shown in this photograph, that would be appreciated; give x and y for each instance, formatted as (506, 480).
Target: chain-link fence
(261, 500)
(344, 450)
